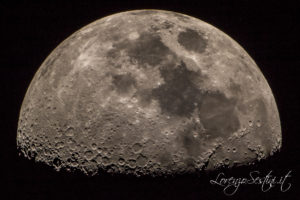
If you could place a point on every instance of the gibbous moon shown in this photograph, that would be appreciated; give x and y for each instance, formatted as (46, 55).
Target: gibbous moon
(148, 92)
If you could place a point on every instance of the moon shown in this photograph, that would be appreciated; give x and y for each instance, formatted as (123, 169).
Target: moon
(148, 92)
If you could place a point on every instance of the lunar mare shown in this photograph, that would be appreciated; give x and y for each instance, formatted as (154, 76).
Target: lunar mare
(148, 92)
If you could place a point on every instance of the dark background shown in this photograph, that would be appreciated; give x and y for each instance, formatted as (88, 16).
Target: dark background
(30, 30)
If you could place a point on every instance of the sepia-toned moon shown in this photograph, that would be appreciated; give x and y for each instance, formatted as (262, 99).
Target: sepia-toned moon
(148, 92)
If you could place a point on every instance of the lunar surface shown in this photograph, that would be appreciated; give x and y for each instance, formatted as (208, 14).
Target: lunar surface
(148, 92)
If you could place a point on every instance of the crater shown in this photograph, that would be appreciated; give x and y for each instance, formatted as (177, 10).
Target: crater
(192, 41)
(264, 128)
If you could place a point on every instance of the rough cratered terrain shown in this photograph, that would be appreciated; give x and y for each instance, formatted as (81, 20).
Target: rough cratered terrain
(148, 92)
